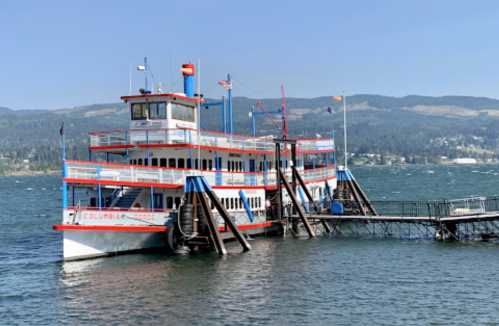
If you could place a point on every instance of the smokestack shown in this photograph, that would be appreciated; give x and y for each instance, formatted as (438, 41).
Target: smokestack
(188, 72)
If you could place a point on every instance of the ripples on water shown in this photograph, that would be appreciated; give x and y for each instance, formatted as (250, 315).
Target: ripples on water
(323, 281)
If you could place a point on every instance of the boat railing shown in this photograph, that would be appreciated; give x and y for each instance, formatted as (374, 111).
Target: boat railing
(122, 173)
(210, 139)
(123, 209)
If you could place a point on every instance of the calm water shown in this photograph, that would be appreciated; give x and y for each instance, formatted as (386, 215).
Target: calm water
(282, 281)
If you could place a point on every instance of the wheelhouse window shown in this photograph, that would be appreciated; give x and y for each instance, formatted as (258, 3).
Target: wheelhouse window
(143, 111)
(157, 110)
(139, 111)
(182, 112)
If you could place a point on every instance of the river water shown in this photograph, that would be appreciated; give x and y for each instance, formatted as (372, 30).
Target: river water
(282, 281)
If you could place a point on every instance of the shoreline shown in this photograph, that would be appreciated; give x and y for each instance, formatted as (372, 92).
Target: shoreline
(59, 172)
(30, 173)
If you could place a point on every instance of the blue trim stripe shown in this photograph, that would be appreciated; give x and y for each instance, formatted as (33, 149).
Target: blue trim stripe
(344, 175)
(305, 205)
(246, 205)
(197, 184)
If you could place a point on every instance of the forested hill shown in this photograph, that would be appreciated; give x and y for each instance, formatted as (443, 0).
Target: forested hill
(411, 129)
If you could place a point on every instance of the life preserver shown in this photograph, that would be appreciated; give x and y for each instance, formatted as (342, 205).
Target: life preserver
(137, 205)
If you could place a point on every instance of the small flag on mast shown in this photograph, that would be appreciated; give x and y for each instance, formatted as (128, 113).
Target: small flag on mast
(62, 128)
(337, 98)
(330, 110)
(227, 84)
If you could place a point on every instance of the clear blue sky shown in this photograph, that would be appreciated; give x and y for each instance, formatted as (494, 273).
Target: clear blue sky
(62, 54)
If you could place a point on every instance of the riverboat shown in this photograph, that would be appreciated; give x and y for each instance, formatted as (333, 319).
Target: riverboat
(128, 206)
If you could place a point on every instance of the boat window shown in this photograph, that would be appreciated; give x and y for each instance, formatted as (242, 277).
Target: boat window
(157, 110)
(146, 162)
(169, 202)
(140, 161)
(135, 162)
(210, 164)
(233, 168)
(228, 166)
(241, 203)
(259, 202)
(162, 110)
(93, 202)
(172, 163)
(232, 203)
(139, 111)
(162, 162)
(181, 163)
(174, 111)
(240, 166)
(182, 112)
(154, 162)
(205, 164)
(197, 166)
(261, 166)
(189, 165)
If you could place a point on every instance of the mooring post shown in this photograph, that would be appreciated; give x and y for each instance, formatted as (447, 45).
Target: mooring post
(215, 237)
(224, 214)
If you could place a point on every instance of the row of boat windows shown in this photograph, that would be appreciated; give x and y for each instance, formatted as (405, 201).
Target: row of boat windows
(206, 164)
(229, 203)
(171, 202)
(142, 111)
(237, 203)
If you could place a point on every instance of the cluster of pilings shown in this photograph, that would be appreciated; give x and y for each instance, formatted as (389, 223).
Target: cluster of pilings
(204, 233)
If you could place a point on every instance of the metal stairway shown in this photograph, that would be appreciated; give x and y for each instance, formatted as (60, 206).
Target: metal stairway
(127, 198)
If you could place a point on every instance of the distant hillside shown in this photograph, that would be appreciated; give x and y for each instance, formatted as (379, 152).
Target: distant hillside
(7, 111)
(413, 129)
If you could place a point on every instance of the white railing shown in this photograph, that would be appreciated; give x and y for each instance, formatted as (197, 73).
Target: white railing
(171, 176)
(204, 138)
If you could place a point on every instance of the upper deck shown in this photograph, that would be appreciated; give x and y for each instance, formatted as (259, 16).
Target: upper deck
(120, 140)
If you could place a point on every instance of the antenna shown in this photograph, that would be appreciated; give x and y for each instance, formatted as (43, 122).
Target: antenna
(199, 115)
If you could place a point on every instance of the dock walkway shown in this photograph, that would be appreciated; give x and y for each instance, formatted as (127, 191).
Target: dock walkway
(462, 219)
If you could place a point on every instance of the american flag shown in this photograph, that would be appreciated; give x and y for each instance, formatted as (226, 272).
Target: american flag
(225, 83)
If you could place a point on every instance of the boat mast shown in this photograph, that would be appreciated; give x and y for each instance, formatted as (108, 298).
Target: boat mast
(284, 124)
(345, 128)
(199, 115)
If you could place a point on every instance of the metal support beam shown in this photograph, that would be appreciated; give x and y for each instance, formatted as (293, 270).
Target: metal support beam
(297, 206)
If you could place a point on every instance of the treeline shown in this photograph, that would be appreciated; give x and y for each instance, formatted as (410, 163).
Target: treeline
(31, 139)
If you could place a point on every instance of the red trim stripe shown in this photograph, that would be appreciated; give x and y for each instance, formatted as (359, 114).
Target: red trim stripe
(120, 228)
(168, 185)
(123, 228)
(213, 148)
(162, 95)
